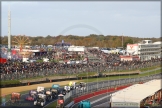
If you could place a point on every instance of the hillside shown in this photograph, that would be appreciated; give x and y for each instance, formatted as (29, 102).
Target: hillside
(89, 41)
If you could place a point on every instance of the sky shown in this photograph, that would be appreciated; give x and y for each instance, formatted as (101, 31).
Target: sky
(136, 19)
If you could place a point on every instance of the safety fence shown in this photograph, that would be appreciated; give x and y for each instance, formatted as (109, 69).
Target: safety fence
(73, 71)
(96, 86)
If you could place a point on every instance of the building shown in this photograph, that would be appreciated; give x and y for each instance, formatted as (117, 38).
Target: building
(129, 58)
(137, 95)
(145, 50)
(76, 49)
(60, 44)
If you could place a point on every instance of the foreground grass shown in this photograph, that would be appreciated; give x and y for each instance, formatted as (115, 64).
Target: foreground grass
(150, 68)
(121, 77)
(52, 105)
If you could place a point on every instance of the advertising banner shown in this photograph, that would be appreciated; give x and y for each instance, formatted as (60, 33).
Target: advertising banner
(125, 105)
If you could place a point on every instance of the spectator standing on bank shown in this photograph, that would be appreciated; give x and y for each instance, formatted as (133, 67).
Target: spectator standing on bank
(3, 100)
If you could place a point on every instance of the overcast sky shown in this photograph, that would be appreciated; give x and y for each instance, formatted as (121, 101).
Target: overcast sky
(137, 19)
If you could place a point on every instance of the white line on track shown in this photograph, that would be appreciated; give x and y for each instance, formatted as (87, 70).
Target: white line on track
(89, 98)
(100, 99)
(97, 106)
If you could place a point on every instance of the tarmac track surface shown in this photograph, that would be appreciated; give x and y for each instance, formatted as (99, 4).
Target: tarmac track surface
(100, 101)
(30, 104)
(26, 104)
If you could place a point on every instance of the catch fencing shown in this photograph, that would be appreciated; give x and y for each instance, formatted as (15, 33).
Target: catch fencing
(73, 71)
(96, 86)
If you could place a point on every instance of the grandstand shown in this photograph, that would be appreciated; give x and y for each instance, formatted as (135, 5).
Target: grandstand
(138, 95)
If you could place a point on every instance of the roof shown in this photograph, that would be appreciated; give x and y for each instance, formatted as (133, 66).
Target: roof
(158, 42)
(137, 92)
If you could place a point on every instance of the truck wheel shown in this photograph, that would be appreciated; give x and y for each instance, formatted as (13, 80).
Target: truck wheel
(42, 103)
(35, 102)
(64, 93)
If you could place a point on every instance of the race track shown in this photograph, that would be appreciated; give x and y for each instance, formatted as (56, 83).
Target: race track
(28, 104)
(7, 91)
(97, 101)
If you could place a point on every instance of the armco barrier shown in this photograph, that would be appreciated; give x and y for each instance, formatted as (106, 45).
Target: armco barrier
(78, 99)
(69, 105)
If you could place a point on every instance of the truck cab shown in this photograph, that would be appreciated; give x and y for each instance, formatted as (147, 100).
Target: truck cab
(55, 90)
(84, 104)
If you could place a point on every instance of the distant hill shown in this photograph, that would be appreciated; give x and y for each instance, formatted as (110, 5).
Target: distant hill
(89, 41)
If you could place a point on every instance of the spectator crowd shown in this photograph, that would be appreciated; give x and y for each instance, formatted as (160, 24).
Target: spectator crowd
(105, 62)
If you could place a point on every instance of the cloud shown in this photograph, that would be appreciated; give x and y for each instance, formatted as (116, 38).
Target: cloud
(43, 18)
(13, 3)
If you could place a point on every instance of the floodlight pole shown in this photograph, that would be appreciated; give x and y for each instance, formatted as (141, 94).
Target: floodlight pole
(9, 29)
(9, 32)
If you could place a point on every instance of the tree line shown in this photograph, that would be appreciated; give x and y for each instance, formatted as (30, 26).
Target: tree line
(92, 40)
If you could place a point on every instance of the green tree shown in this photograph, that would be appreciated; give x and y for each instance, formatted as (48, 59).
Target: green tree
(130, 41)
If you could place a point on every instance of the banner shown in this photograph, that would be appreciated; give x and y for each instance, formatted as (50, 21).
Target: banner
(2, 60)
(125, 105)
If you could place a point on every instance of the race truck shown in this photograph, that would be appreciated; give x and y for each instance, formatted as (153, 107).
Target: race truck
(55, 90)
(84, 104)
(67, 88)
(48, 94)
(40, 99)
(15, 97)
(40, 90)
(82, 86)
(72, 85)
(32, 95)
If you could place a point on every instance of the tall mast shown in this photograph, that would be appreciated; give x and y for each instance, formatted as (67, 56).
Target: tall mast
(9, 29)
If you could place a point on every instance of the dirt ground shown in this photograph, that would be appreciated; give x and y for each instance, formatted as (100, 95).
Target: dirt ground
(6, 91)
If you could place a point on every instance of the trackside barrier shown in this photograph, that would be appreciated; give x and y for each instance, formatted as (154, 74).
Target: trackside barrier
(78, 99)
(91, 88)
(69, 105)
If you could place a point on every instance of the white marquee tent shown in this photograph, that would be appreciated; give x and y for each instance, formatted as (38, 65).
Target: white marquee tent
(131, 97)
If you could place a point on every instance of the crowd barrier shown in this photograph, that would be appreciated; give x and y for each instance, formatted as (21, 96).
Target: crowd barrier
(72, 71)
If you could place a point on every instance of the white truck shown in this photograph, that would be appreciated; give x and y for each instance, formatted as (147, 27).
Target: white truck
(25, 60)
(40, 89)
(40, 100)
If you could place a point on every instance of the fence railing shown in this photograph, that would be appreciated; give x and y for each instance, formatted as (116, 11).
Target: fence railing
(95, 86)
(72, 71)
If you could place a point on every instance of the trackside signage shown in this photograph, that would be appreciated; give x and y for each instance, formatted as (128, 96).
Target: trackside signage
(124, 105)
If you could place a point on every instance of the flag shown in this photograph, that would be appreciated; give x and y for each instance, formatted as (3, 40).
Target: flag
(62, 41)
(13, 52)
